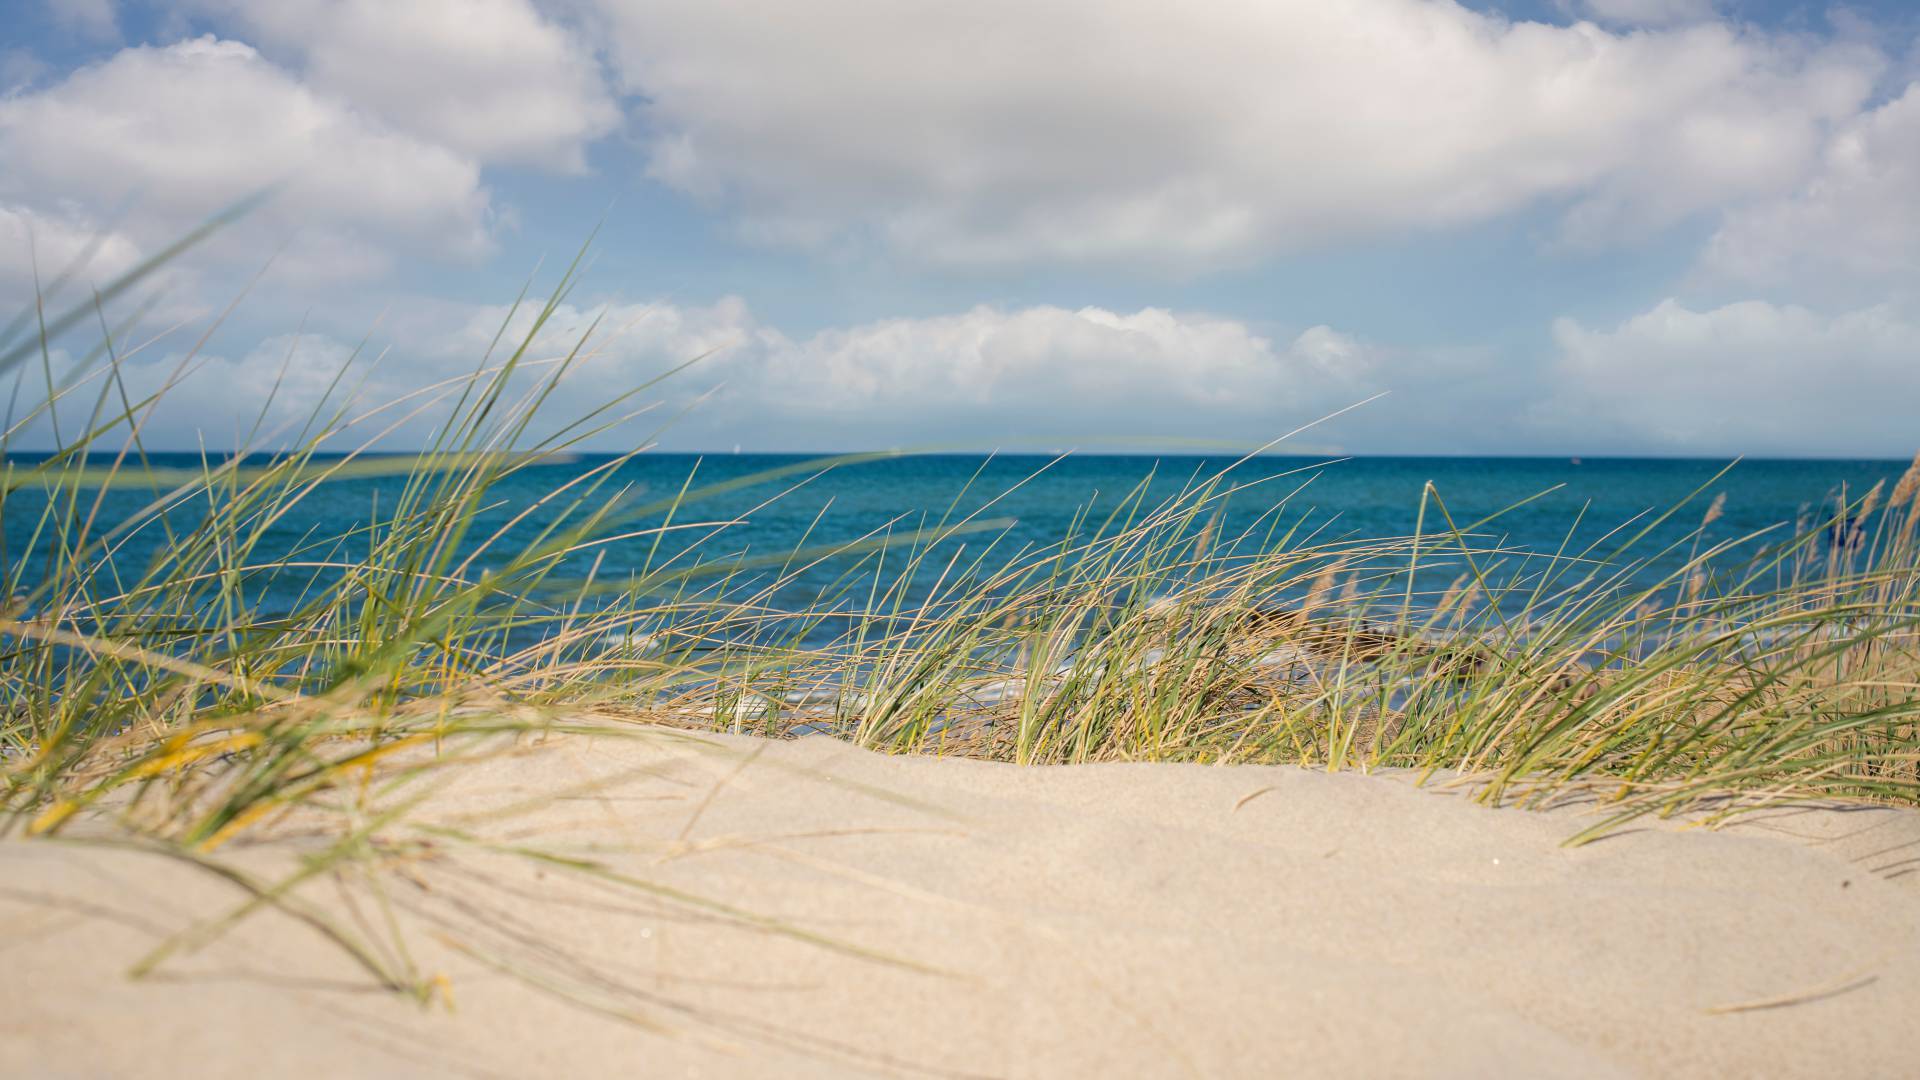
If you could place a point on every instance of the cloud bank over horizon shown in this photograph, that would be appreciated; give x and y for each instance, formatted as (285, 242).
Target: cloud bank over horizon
(1669, 380)
(1094, 222)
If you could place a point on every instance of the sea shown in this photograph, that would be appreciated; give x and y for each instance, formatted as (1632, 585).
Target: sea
(754, 510)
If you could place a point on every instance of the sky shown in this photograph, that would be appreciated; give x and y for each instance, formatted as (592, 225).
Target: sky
(1563, 227)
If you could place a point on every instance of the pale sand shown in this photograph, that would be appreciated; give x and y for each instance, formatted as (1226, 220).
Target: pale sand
(1100, 920)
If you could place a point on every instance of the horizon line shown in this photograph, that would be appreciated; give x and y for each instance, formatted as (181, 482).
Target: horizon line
(1331, 456)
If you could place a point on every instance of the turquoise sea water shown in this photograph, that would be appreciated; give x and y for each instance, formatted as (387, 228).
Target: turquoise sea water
(1039, 498)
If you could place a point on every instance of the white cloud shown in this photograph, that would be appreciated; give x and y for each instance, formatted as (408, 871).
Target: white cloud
(982, 377)
(492, 79)
(1187, 136)
(54, 244)
(990, 376)
(1746, 378)
(263, 398)
(1859, 215)
(183, 131)
(1090, 369)
(60, 255)
(1749, 377)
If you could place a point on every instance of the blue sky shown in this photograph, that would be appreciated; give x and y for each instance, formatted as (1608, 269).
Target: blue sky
(1564, 226)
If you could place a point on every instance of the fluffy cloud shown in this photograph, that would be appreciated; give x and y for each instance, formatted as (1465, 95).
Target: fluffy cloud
(1745, 378)
(1186, 136)
(492, 79)
(46, 245)
(1859, 215)
(983, 377)
(183, 131)
(990, 376)
(57, 255)
(1750, 377)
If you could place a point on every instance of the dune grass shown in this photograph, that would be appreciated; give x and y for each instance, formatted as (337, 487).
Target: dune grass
(1749, 671)
(178, 699)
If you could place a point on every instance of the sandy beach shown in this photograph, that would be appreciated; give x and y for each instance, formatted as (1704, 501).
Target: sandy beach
(920, 916)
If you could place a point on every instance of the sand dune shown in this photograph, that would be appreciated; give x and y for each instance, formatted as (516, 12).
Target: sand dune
(951, 917)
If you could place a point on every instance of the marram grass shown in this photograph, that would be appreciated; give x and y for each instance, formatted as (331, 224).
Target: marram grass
(1724, 683)
(172, 700)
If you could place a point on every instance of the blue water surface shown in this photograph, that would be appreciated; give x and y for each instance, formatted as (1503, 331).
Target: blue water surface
(1034, 502)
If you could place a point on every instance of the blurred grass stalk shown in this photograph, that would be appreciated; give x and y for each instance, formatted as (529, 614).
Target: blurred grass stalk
(1754, 670)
